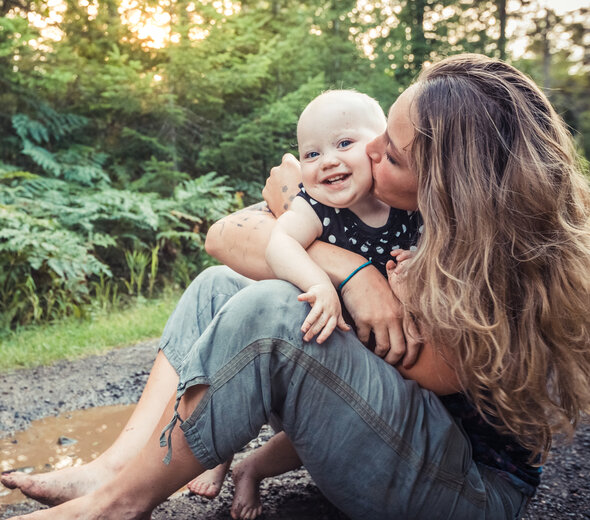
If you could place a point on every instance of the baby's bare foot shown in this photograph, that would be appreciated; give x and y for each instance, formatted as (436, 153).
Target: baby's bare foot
(208, 484)
(246, 504)
(59, 486)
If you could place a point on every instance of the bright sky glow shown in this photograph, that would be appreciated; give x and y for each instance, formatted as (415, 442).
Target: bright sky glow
(153, 24)
(564, 6)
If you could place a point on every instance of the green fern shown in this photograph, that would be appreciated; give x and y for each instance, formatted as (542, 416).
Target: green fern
(28, 129)
(42, 157)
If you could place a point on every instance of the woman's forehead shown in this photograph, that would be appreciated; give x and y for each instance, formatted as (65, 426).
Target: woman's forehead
(400, 129)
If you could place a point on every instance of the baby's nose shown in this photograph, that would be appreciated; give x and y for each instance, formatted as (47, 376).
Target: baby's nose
(329, 160)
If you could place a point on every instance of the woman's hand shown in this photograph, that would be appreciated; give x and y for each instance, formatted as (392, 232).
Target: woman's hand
(373, 307)
(396, 274)
(282, 185)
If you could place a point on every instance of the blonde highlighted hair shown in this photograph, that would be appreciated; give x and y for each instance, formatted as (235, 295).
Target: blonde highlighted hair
(502, 274)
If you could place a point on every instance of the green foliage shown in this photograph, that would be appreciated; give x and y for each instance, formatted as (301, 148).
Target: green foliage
(45, 268)
(95, 333)
(63, 243)
(116, 157)
(256, 142)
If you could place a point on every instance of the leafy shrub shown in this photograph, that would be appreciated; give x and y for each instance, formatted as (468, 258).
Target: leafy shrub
(67, 236)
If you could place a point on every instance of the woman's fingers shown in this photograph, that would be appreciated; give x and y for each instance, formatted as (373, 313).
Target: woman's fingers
(414, 343)
(363, 331)
(282, 185)
(398, 348)
(381, 341)
(342, 325)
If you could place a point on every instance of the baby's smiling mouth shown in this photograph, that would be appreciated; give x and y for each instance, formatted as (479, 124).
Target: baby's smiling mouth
(336, 178)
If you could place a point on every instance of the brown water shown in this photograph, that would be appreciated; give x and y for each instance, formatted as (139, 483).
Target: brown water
(37, 449)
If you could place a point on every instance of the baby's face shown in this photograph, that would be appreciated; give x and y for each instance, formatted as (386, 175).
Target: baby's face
(332, 137)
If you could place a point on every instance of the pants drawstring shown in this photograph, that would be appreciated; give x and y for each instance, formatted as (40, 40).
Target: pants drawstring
(169, 429)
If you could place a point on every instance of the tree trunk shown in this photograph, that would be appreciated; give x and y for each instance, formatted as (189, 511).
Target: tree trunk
(502, 38)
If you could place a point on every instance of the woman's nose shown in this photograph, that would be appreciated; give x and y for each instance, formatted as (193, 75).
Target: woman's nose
(373, 149)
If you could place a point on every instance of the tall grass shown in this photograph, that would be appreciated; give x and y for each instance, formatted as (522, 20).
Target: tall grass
(72, 338)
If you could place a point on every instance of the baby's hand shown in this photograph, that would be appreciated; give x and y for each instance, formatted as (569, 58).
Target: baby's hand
(325, 314)
(397, 271)
(401, 255)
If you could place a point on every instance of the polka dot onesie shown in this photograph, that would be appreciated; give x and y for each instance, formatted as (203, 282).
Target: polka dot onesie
(343, 228)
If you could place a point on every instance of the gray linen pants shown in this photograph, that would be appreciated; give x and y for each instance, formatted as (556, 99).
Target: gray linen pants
(378, 446)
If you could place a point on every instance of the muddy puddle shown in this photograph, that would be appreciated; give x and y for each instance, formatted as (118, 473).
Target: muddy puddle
(70, 439)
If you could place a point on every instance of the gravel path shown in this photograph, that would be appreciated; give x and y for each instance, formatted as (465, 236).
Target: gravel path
(118, 378)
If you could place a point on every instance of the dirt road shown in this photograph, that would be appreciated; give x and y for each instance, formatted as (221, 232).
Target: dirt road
(118, 378)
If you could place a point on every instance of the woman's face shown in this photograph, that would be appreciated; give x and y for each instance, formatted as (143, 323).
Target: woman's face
(394, 182)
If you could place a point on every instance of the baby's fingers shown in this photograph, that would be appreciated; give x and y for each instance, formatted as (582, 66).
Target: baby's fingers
(327, 330)
(316, 327)
(311, 320)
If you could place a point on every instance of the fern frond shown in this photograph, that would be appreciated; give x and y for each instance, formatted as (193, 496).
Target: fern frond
(29, 129)
(42, 157)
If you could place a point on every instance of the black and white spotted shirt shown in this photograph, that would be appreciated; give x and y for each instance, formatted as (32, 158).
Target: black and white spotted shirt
(343, 228)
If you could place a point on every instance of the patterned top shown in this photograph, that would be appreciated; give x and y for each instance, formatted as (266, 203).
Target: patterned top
(343, 228)
(500, 452)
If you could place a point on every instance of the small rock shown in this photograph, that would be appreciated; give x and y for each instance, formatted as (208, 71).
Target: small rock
(66, 441)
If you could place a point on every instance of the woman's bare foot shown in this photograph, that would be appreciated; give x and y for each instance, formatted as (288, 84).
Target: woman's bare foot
(208, 484)
(246, 504)
(59, 486)
(90, 507)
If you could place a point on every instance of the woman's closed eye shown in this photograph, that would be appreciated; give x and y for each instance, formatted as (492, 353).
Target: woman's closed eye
(391, 159)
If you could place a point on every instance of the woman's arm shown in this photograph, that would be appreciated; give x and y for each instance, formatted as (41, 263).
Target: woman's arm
(240, 239)
(432, 371)
(434, 368)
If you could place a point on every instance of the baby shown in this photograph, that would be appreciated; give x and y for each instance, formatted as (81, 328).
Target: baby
(335, 205)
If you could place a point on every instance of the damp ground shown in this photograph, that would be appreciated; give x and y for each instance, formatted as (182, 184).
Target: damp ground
(67, 413)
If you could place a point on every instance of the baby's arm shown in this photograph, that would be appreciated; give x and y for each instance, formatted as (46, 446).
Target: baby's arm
(296, 229)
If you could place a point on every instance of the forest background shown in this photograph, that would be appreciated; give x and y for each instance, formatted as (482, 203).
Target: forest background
(128, 126)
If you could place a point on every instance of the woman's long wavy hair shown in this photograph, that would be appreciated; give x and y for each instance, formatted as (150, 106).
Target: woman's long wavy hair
(502, 274)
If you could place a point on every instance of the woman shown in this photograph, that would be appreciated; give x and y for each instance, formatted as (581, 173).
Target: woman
(498, 289)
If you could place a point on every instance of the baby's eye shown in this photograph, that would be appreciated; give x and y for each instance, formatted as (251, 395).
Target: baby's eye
(344, 143)
(311, 155)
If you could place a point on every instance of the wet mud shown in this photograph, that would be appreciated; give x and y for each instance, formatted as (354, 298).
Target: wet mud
(89, 397)
(52, 443)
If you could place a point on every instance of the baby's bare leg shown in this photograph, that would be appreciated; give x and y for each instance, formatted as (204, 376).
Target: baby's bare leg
(275, 457)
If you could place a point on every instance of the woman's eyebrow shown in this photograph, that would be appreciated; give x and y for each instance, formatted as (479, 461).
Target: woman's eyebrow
(392, 146)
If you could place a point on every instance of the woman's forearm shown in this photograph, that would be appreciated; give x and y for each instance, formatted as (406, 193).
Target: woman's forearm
(240, 240)
(432, 371)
